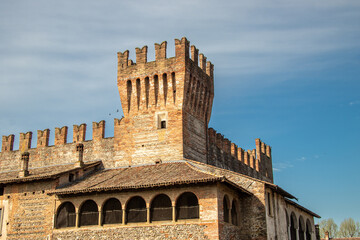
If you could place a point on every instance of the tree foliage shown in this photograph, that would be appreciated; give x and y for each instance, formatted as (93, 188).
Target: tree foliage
(349, 228)
(328, 225)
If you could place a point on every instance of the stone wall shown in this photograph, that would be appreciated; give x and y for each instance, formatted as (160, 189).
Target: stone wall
(29, 212)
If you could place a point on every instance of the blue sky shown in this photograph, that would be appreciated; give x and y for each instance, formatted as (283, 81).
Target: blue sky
(285, 71)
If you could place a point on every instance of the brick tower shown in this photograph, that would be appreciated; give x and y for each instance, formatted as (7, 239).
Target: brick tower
(166, 103)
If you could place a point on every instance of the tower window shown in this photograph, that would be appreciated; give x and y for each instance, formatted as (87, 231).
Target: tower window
(161, 120)
(163, 124)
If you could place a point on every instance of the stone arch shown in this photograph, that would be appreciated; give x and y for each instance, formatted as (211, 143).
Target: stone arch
(161, 208)
(187, 206)
(301, 228)
(111, 211)
(293, 226)
(136, 210)
(226, 208)
(308, 230)
(65, 215)
(89, 213)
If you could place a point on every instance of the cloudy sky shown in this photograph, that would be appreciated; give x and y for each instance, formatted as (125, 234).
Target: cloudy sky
(285, 71)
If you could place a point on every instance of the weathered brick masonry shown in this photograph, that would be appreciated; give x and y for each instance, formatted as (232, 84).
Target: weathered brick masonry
(163, 175)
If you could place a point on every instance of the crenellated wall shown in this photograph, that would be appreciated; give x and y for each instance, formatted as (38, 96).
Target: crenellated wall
(256, 163)
(99, 148)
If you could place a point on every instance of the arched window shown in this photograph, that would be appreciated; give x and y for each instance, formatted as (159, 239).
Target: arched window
(89, 214)
(136, 210)
(66, 215)
(308, 230)
(234, 213)
(187, 206)
(161, 209)
(301, 228)
(226, 208)
(293, 223)
(112, 212)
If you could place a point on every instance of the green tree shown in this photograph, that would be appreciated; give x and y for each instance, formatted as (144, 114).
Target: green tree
(349, 228)
(328, 225)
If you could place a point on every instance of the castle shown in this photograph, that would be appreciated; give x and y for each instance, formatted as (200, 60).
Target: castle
(163, 175)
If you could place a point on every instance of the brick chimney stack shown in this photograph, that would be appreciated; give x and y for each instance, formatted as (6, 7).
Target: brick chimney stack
(24, 168)
(80, 150)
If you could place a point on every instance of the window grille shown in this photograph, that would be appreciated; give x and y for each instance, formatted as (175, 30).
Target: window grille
(187, 206)
(89, 214)
(112, 212)
(161, 209)
(136, 210)
(66, 215)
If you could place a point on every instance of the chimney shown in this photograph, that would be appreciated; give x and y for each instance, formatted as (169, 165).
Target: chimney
(80, 150)
(24, 167)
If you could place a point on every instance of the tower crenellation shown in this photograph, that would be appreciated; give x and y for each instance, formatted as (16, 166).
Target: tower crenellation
(61, 135)
(7, 143)
(25, 141)
(98, 131)
(79, 132)
(43, 138)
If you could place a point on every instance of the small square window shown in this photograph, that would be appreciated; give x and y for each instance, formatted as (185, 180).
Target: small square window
(161, 120)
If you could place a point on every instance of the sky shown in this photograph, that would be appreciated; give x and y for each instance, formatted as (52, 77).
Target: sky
(285, 71)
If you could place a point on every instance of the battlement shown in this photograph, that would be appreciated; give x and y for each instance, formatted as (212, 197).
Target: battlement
(182, 51)
(79, 132)
(255, 162)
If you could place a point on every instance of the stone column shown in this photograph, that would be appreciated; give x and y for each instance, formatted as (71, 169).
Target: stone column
(124, 216)
(174, 213)
(100, 217)
(77, 221)
(297, 233)
(148, 214)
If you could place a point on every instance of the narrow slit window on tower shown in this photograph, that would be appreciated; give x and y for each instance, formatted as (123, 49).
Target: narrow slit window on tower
(165, 86)
(147, 90)
(129, 91)
(156, 89)
(173, 85)
(138, 91)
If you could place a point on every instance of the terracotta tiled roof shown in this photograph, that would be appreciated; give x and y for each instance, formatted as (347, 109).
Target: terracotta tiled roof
(147, 176)
(42, 173)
